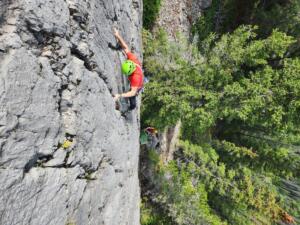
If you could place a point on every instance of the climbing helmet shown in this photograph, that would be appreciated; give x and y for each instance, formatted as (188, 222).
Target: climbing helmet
(128, 67)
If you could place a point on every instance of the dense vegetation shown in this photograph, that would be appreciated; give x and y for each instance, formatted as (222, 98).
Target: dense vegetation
(237, 95)
(151, 10)
(227, 15)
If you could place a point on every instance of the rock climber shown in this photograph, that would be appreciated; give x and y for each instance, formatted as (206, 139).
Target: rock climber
(132, 68)
(149, 137)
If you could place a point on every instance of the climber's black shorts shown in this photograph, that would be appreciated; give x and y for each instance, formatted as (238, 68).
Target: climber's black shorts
(132, 102)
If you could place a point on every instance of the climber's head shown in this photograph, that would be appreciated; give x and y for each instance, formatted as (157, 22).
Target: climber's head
(128, 67)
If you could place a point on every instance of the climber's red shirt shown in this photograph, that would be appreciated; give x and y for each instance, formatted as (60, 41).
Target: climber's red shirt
(136, 78)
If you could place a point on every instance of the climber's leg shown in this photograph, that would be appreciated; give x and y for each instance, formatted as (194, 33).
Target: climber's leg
(132, 101)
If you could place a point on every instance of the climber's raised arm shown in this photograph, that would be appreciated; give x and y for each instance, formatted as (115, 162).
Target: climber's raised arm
(121, 41)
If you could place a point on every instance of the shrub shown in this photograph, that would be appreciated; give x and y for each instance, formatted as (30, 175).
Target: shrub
(151, 11)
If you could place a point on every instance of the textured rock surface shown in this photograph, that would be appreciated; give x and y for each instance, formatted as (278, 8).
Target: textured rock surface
(169, 142)
(179, 15)
(58, 71)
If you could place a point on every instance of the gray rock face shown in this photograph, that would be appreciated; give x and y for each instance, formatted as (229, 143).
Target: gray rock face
(180, 15)
(67, 157)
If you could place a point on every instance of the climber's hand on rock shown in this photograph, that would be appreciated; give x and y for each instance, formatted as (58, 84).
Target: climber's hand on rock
(116, 32)
(116, 97)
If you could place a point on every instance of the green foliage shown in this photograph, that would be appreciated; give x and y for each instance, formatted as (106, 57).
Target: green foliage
(193, 192)
(150, 12)
(185, 202)
(239, 188)
(235, 81)
(225, 16)
(206, 23)
(151, 216)
(281, 14)
(167, 62)
(243, 94)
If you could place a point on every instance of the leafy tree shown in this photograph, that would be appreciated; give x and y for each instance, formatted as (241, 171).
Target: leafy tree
(238, 99)
(227, 15)
(201, 186)
(239, 80)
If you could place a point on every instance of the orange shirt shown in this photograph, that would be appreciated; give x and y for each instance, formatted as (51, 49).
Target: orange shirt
(136, 79)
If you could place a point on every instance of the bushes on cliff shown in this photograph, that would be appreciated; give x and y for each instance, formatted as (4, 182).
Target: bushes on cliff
(226, 15)
(197, 185)
(151, 216)
(150, 12)
(238, 80)
(239, 101)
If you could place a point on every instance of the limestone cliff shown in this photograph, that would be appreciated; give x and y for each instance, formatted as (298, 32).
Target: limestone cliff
(180, 15)
(66, 155)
